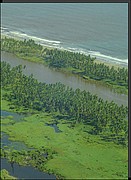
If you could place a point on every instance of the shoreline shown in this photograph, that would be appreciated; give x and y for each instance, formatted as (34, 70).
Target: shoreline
(110, 64)
(115, 87)
(116, 66)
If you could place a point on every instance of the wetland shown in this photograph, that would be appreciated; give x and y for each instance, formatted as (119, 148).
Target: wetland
(51, 123)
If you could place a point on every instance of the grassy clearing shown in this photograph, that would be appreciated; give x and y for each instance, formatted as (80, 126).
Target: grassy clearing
(7, 121)
(31, 58)
(80, 155)
(4, 103)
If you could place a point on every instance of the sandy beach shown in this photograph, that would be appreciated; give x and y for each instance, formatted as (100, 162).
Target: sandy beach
(110, 64)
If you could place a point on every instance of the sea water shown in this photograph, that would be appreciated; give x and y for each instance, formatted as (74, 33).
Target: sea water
(98, 29)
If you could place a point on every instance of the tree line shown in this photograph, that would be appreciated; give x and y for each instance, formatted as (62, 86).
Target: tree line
(84, 65)
(87, 66)
(106, 118)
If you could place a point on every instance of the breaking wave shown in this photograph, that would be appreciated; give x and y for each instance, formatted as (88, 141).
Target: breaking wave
(60, 45)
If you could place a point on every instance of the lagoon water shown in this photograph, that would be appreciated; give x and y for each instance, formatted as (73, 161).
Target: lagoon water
(99, 29)
(47, 75)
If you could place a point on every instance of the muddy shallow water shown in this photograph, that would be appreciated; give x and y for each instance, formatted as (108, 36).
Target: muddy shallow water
(47, 75)
(24, 172)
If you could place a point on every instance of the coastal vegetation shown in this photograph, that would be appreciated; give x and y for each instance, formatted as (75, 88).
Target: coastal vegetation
(106, 118)
(77, 63)
(93, 133)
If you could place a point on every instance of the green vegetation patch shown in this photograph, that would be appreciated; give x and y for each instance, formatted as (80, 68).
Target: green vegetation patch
(79, 154)
(5, 175)
(31, 58)
(4, 103)
(7, 120)
(85, 77)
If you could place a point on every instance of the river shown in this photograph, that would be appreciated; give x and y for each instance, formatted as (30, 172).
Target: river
(44, 74)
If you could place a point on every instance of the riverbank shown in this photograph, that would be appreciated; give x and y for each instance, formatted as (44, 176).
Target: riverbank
(119, 87)
(50, 75)
(116, 88)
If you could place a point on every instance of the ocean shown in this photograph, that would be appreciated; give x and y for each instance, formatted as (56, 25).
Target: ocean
(98, 29)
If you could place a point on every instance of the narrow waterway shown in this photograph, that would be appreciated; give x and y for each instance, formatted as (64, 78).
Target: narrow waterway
(21, 172)
(16, 116)
(24, 172)
(5, 141)
(57, 130)
(47, 75)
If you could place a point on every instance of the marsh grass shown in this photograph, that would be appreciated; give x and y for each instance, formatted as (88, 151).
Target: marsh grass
(79, 154)
(7, 120)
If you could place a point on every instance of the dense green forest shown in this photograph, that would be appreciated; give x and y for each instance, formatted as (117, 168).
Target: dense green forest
(106, 118)
(78, 63)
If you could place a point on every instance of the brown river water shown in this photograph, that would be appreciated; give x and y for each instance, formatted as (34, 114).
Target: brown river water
(44, 74)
